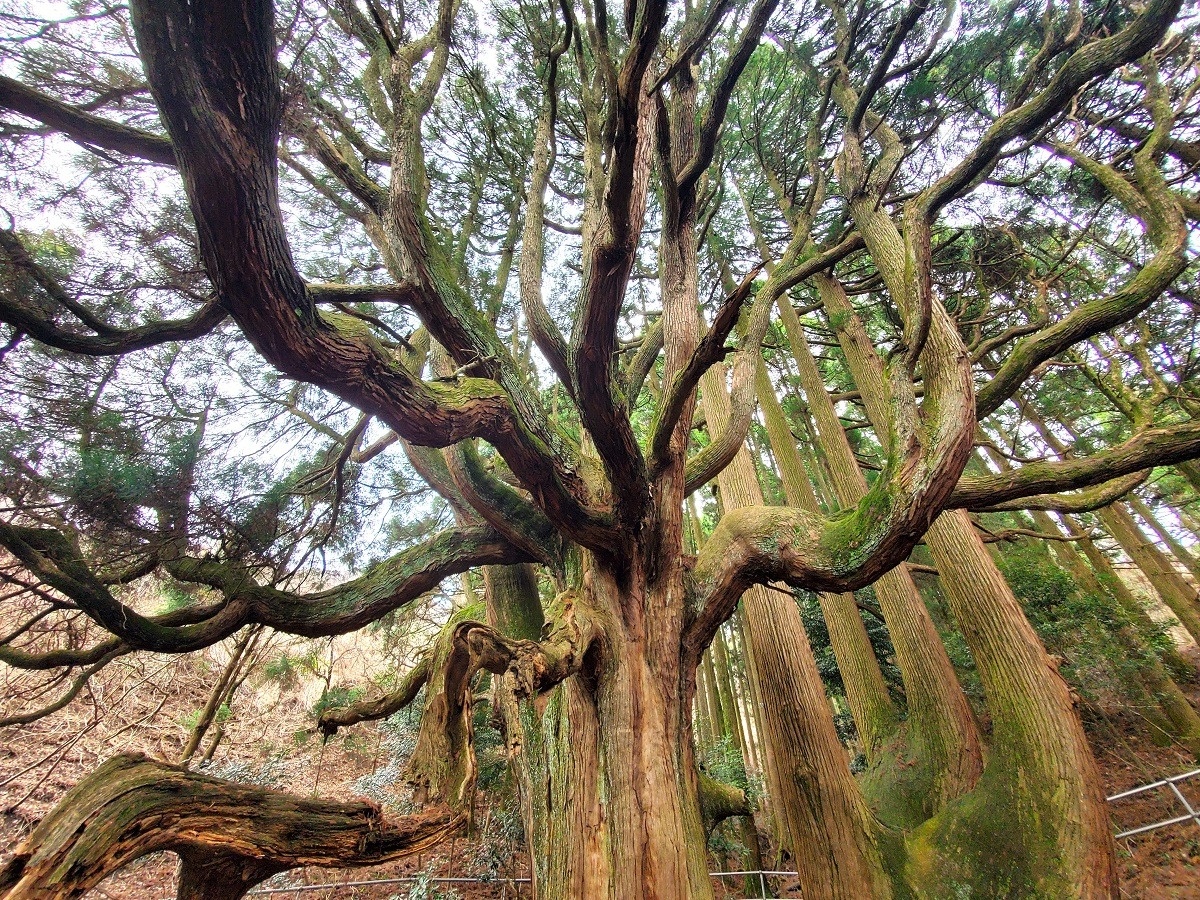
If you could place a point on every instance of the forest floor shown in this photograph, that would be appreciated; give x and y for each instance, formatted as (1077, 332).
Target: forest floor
(147, 704)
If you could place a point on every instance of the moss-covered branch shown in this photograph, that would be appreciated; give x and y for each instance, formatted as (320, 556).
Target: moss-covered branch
(55, 559)
(1146, 449)
(720, 801)
(381, 707)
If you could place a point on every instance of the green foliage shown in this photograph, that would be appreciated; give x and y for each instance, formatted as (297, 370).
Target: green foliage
(286, 669)
(723, 762)
(173, 596)
(104, 476)
(822, 646)
(503, 835)
(1079, 626)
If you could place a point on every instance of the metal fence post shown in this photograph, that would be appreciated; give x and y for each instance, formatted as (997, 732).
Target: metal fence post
(762, 883)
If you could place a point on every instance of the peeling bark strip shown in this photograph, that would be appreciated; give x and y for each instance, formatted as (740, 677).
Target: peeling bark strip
(230, 836)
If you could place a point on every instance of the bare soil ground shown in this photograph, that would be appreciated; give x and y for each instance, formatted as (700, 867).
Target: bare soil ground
(145, 704)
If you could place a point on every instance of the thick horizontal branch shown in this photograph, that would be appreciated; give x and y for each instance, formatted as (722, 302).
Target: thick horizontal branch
(113, 342)
(720, 801)
(1149, 448)
(323, 292)
(67, 696)
(56, 561)
(91, 131)
(132, 806)
(1080, 501)
(20, 658)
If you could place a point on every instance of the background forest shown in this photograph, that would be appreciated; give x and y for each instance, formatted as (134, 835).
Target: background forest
(624, 441)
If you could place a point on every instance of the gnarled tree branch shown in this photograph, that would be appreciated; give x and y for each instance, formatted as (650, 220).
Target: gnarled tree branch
(132, 806)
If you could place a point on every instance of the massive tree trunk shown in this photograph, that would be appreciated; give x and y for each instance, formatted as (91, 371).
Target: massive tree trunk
(648, 832)
(598, 724)
(1037, 823)
(1038, 819)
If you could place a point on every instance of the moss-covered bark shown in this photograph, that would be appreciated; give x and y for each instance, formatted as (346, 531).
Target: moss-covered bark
(1037, 824)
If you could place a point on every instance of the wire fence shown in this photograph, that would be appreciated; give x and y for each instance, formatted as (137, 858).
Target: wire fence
(1172, 783)
(763, 877)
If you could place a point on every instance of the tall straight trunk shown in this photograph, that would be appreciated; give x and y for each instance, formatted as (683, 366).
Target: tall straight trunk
(747, 703)
(717, 726)
(822, 818)
(1172, 714)
(1117, 587)
(723, 679)
(1177, 549)
(1171, 587)
(940, 733)
(870, 704)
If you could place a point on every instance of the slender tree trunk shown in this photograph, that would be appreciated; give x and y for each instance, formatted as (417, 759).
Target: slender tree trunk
(1171, 714)
(1177, 549)
(724, 683)
(870, 704)
(711, 725)
(1117, 587)
(1175, 592)
(220, 693)
(748, 705)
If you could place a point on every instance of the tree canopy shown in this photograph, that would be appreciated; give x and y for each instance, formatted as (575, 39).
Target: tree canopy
(313, 306)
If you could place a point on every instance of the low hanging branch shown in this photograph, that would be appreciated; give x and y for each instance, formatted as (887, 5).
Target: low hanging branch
(380, 708)
(230, 836)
